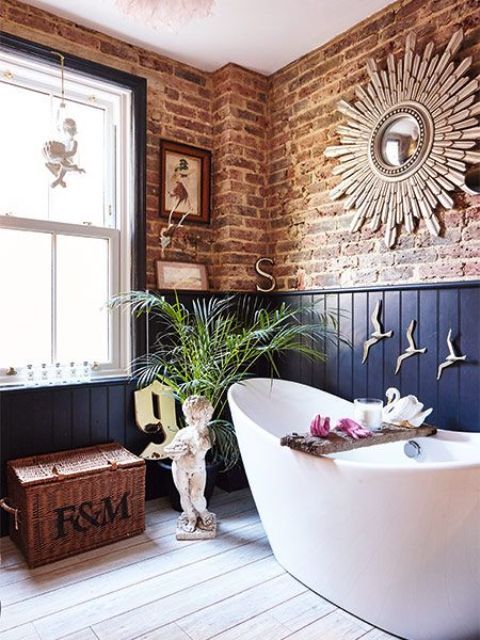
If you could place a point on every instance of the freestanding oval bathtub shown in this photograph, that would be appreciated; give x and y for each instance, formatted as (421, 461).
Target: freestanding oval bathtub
(392, 540)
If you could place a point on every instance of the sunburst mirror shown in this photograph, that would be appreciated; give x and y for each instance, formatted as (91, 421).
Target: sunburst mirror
(409, 135)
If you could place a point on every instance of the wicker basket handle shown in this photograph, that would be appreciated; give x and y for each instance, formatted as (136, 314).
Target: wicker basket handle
(15, 512)
(56, 472)
(113, 463)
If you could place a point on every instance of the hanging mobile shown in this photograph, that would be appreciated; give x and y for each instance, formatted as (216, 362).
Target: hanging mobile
(60, 154)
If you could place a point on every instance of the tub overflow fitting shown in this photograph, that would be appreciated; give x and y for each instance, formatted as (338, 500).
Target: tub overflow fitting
(412, 449)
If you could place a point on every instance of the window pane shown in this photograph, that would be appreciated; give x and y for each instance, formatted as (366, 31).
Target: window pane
(82, 293)
(23, 127)
(25, 294)
(82, 200)
(28, 122)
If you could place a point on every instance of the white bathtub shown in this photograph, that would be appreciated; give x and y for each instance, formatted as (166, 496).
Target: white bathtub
(394, 541)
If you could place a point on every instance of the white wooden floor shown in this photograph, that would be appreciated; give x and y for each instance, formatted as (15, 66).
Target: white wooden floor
(152, 587)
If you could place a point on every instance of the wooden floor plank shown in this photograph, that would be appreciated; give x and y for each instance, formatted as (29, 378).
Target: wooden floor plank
(84, 634)
(20, 571)
(152, 587)
(261, 627)
(302, 610)
(337, 624)
(376, 634)
(169, 632)
(209, 622)
(65, 576)
(24, 632)
(190, 560)
(145, 594)
(172, 608)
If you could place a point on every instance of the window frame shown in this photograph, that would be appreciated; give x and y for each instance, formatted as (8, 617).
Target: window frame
(131, 336)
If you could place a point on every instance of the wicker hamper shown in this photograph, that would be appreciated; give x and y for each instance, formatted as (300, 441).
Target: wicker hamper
(65, 503)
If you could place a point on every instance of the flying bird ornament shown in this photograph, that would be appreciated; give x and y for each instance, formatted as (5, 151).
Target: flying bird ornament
(412, 349)
(452, 357)
(378, 333)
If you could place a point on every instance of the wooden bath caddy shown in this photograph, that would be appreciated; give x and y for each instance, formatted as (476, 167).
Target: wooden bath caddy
(337, 441)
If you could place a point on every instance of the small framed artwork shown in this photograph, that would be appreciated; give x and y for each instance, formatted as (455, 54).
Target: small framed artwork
(188, 276)
(184, 182)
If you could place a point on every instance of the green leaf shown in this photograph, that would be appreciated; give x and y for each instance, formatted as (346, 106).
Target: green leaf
(218, 342)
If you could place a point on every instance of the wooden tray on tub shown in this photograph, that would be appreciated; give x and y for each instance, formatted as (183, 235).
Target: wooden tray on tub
(337, 441)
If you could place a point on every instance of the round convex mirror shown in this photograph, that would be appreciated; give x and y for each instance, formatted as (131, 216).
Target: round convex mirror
(399, 140)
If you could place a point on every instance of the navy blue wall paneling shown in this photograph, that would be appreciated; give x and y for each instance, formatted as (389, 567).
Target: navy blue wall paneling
(436, 308)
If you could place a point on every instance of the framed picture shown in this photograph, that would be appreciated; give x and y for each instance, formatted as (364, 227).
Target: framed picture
(184, 182)
(181, 275)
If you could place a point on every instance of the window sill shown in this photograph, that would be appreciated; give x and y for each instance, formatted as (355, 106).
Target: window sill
(97, 380)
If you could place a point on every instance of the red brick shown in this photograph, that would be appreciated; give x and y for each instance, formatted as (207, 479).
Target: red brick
(267, 135)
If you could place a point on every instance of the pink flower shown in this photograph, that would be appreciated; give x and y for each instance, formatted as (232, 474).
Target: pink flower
(320, 426)
(353, 429)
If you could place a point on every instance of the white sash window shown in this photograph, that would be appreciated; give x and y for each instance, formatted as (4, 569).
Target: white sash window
(64, 250)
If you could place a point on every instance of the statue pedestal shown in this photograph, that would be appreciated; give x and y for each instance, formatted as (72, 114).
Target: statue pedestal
(198, 533)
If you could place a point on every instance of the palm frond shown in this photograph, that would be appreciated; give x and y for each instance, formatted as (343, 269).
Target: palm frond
(219, 341)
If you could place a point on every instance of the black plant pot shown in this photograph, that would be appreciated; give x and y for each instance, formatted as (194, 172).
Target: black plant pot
(234, 479)
(174, 496)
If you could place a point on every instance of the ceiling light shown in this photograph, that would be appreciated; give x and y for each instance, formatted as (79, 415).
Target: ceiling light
(166, 13)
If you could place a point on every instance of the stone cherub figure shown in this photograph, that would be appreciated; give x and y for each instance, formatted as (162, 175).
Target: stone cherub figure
(187, 451)
(59, 155)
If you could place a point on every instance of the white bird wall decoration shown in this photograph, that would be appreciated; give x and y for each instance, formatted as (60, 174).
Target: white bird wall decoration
(452, 357)
(378, 333)
(412, 349)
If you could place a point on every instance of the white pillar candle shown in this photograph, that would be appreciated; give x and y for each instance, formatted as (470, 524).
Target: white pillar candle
(368, 412)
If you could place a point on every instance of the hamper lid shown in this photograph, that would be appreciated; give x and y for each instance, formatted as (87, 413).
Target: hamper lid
(69, 464)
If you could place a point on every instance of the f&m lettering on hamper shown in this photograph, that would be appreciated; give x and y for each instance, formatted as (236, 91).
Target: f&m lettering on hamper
(73, 501)
(83, 516)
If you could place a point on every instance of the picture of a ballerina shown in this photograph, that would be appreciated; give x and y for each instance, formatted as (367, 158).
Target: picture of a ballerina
(59, 155)
(183, 176)
(185, 183)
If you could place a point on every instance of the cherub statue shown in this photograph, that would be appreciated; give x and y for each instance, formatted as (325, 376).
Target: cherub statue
(188, 451)
(59, 154)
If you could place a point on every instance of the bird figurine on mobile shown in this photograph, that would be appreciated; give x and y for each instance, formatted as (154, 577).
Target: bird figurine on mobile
(59, 154)
(378, 333)
(452, 357)
(411, 350)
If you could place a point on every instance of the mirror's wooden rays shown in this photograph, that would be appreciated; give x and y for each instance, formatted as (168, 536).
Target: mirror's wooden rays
(436, 92)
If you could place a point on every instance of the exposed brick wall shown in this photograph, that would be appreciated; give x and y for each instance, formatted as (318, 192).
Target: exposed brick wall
(241, 221)
(312, 244)
(267, 135)
(182, 107)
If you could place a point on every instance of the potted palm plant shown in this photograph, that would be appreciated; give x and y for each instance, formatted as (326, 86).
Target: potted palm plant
(205, 349)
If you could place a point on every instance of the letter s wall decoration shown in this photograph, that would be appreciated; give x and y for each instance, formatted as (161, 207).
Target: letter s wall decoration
(266, 275)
